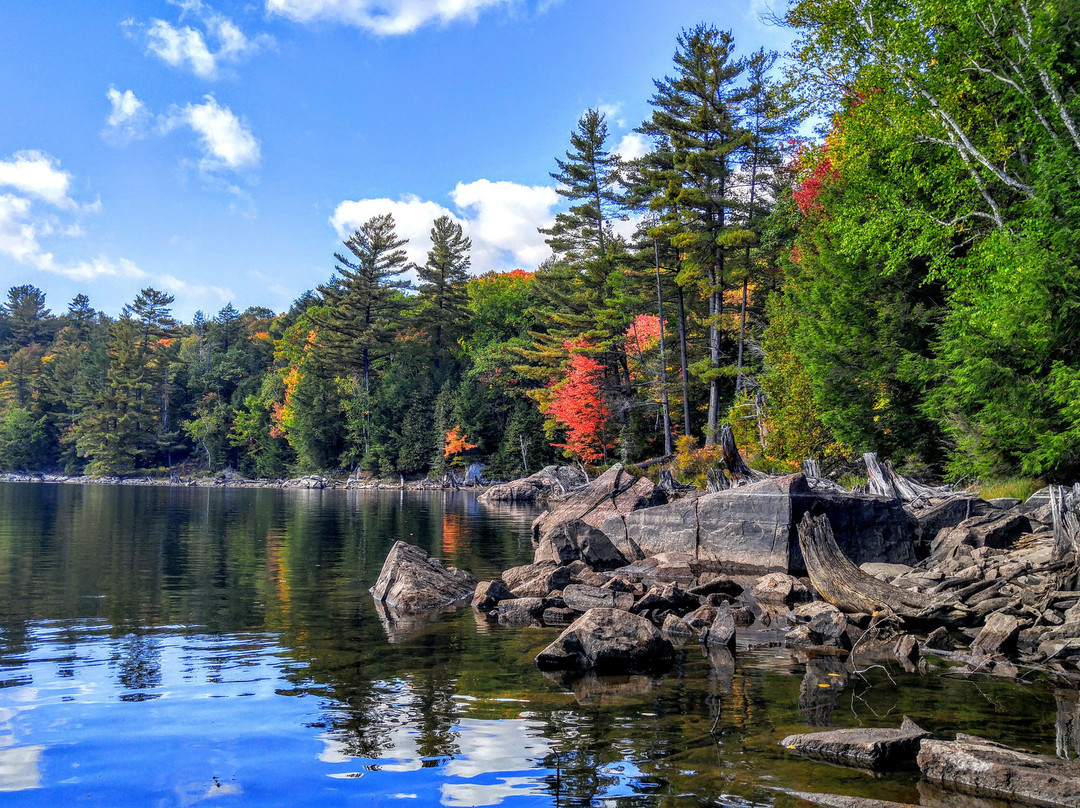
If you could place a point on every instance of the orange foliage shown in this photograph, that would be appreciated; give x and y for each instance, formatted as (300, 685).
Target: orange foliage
(456, 442)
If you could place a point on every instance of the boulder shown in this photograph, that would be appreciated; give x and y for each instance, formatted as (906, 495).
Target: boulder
(577, 540)
(676, 628)
(865, 747)
(521, 611)
(701, 618)
(678, 567)
(715, 584)
(410, 581)
(667, 597)
(996, 529)
(721, 634)
(779, 587)
(488, 595)
(844, 801)
(754, 527)
(983, 767)
(829, 627)
(942, 514)
(581, 598)
(549, 481)
(608, 641)
(536, 580)
(614, 493)
(998, 636)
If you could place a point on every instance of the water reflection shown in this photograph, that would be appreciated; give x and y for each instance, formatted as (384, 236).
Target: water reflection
(226, 641)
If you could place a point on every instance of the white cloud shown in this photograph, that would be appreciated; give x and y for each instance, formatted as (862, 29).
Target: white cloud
(171, 283)
(412, 216)
(39, 175)
(632, 145)
(203, 52)
(501, 218)
(384, 17)
(128, 117)
(226, 142)
(612, 113)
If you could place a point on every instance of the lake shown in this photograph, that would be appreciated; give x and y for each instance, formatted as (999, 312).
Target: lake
(170, 646)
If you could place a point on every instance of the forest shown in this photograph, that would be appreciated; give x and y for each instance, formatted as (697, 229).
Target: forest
(907, 282)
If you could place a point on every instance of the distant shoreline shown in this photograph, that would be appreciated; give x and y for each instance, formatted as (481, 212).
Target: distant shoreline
(311, 482)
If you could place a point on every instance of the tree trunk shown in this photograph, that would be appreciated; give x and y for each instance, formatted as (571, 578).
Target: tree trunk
(682, 360)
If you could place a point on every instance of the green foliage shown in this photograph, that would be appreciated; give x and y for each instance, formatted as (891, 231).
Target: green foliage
(24, 441)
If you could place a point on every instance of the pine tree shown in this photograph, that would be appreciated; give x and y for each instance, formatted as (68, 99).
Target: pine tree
(590, 178)
(696, 116)
(443, 299)
(364, 302)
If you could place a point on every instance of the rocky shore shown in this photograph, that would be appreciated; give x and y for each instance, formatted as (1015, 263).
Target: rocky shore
(232, 480)
(922, 577)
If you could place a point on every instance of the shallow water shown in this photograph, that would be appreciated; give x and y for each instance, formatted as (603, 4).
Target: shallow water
(164, 646)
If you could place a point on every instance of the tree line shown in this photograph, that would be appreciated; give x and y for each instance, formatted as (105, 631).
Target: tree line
(905, 283)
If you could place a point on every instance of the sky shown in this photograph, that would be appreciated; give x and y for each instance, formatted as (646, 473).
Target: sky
(221, 151)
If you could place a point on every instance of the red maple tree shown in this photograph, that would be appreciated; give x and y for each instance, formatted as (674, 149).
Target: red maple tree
(577, 403)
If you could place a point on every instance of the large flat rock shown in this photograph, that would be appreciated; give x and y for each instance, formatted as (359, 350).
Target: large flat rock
(864, 747)
(754, 527)
(984, 767)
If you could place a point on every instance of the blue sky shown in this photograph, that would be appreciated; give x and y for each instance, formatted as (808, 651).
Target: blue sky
(221, 151)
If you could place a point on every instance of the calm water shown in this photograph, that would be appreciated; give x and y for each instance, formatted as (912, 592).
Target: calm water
(166, 647)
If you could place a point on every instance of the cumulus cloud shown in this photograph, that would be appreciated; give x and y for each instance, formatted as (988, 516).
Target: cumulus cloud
(128, 118)
(632, 145)
(37, 175)
(204, 50)
(501, 218)
(29, 181)
(226, 142)
(384, 17)
(171, 283)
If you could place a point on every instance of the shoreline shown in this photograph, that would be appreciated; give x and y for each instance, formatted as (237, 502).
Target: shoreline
(308, 482)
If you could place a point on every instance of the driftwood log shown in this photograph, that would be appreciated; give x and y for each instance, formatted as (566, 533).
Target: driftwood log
(884, 481)
(844, 585)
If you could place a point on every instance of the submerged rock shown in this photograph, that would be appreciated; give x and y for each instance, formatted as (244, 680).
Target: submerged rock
(864, 747)
(608, 641)
(984, 767)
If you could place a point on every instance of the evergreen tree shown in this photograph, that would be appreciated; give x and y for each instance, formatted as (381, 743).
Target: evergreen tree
(590, 178)
(443, 300)
(364, 303)
(696, 116)
(26, 318)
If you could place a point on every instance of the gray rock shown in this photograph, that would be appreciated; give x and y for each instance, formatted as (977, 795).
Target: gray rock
(615, 493)
(549, 481)
(521, 611)
(721, 634)
(778, 587)
(983, 767)
(554, 616)
(844, 801)
(864, 747)
(676, 628)
(536, 580)
(1004, 503)
(488, 594)
(666, 597)
(410, 581)
(998, 636)
(575, 539)
(754, 527)
(830, 627)
(946, 513)
(582, 598)
(715, 584)
(608, 641)
(885, 572)
(996, 529)
(701, 618)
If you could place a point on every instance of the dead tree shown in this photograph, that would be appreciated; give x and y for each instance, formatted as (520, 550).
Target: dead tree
(844, 585)
(1065, 510)
(884, 481)
(741, 474)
